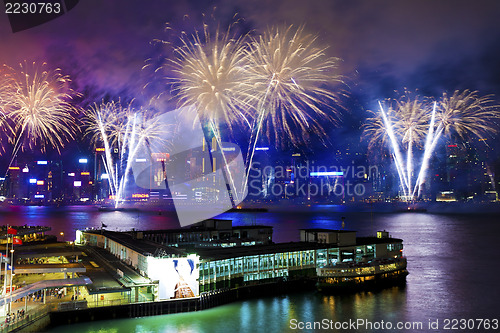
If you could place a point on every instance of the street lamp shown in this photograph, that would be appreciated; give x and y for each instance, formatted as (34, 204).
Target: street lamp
(62, 235)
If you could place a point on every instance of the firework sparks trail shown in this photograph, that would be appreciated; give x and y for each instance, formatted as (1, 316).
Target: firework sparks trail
(253, 141)
(122, 127)
(401, 174)
(110, 173)
(142, 130)
(107, 157)
(412, 114)
(427, 153)
(409, 161)
(461, 115)
(289, 74)
(210, 75)
(395, 147)
(227, 172)
(130, 143)
(6, 99)
(100, 125)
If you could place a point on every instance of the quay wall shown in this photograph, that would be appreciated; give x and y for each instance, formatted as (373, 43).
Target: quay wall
(36, 325)
(205, 301)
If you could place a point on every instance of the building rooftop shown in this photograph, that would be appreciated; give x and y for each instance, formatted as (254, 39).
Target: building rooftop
(109, 264)
(46, 250)
(130, 240)
(23, 230)
(216, 253)
(326, 230)
(198, 228)
(376, 240)
(155, 249)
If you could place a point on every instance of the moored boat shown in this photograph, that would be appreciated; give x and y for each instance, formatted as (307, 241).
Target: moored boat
(117, 209)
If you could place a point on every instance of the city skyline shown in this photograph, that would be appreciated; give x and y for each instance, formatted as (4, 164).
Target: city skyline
(460, 174)
(256, 165)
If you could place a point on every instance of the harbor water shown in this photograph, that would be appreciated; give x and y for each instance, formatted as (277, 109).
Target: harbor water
(452, 260)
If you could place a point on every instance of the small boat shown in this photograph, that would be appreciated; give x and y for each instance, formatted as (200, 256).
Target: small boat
(346, 277)
(412, 210)
(117, 209)
(248, 210)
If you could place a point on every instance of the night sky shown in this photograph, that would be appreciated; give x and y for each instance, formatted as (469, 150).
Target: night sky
(432, 46)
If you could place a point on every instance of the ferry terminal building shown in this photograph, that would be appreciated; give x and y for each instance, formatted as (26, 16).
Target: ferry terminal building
(214, 255)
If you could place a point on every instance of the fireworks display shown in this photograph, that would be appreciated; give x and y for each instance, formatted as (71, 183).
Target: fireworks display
(105, 123)
(413, 118)
(414, 122)
(281, 85)
(278, 80)
(409, 115)
(123, 131)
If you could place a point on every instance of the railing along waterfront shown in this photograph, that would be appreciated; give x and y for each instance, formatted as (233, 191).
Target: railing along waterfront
(28, 318)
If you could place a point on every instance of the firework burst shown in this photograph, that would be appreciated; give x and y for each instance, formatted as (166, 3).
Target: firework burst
(39, 105)
(463, 114)
(409, 115)
(289, 74)
(374, 129)
(466, 114)
(412, 114)
(403, 126)
(210, 76)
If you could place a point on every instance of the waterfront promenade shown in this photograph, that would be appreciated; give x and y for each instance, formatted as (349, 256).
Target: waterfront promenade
(43, 279)
(36, 307)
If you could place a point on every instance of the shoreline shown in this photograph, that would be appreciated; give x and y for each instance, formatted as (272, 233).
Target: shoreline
(457, 207)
